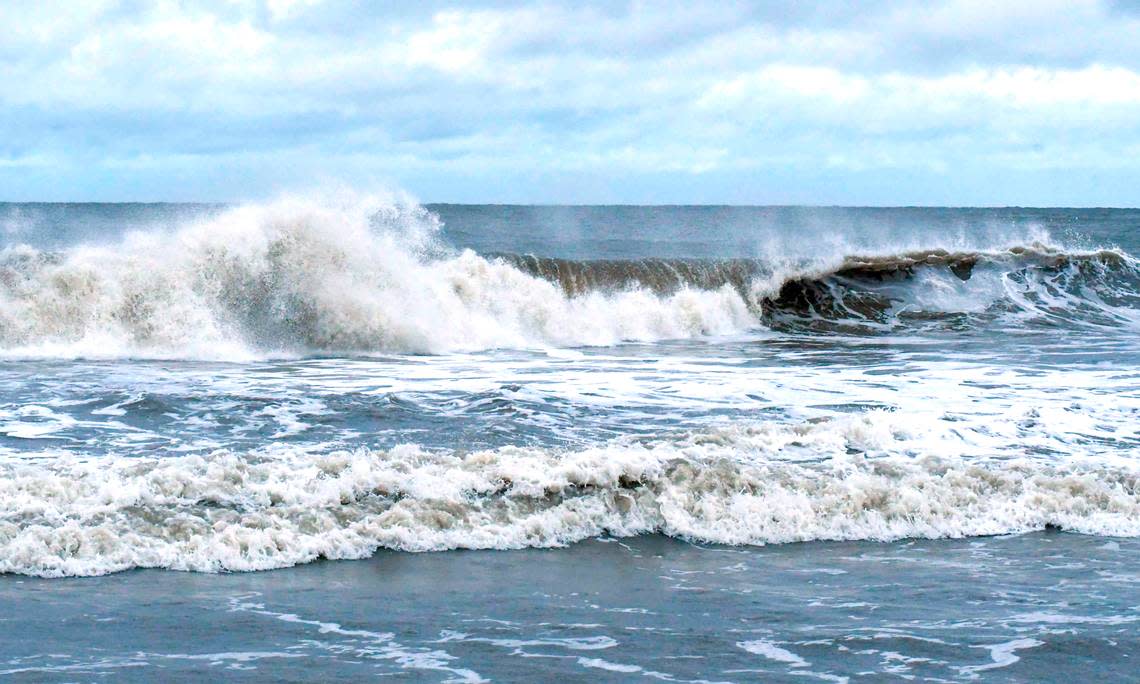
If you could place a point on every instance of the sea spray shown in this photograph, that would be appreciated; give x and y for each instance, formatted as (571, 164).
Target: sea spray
(299, 276)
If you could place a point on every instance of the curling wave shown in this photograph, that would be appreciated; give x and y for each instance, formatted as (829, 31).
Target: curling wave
(853, 478)
(1035, 283)
(297, 277)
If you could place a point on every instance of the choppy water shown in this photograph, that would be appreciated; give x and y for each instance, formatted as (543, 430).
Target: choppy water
(227, 389)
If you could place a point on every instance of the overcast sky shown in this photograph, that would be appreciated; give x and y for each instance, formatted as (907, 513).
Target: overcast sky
(958, 103)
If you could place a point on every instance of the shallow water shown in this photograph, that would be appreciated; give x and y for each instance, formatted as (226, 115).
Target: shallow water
(1036, 607)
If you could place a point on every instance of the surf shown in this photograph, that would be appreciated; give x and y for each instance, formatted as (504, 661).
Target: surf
(879, 476)
(302, 276)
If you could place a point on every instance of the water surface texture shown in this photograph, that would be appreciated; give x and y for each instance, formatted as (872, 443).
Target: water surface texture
(688, 443)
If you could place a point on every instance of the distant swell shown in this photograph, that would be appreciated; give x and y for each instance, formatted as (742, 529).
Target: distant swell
(297, 277)
(871, 478)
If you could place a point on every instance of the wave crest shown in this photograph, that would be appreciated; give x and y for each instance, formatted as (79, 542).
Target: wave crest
(295, 277)
(370, 275)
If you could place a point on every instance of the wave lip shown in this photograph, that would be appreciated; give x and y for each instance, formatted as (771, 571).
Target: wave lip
(1020, 287)
(1027, 283)
(741, 484)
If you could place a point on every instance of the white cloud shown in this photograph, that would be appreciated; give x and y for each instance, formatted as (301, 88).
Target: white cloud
(635, 91)
(457, 43)
(281, 10)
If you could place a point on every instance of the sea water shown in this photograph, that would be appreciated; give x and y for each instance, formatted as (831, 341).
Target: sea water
(688, 443)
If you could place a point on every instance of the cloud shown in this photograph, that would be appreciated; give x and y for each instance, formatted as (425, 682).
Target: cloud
(601, 101)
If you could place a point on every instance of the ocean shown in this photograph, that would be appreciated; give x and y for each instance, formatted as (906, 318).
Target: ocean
(342, 436)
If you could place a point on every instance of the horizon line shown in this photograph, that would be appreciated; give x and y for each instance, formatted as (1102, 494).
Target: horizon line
(618, 205)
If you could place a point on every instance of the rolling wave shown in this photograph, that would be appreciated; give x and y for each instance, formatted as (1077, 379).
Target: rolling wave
(871, 477)
(1101, 286)
(297, 277)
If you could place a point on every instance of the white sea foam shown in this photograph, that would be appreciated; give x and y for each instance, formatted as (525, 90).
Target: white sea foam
(773, 652)
(366, 644)
(299, 275)
(871, 478)
(1003, 655)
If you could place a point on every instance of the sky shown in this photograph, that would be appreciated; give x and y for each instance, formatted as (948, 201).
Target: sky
(956, 103)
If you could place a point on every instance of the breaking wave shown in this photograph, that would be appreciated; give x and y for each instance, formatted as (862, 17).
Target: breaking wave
(1029, 284)
(297, 277)
(870, 477)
